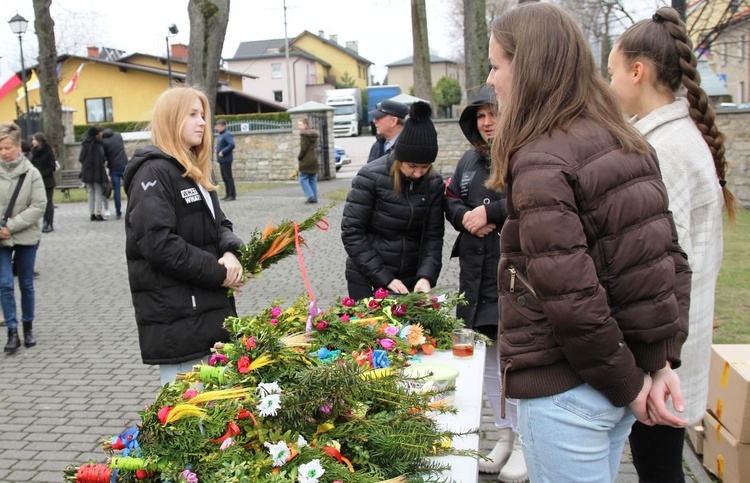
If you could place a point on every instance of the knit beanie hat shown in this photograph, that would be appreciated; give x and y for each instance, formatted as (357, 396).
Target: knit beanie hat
(417, 142)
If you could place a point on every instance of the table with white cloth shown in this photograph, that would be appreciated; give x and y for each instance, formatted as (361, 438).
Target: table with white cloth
(469, 405)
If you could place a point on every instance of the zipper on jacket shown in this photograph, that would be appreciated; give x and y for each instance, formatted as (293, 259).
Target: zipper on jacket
(516, 274)
(192, 298)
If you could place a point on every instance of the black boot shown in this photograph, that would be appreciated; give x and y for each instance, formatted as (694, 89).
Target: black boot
(28, 335)
(13, 341)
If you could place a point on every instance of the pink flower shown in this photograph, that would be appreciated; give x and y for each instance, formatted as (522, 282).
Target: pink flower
(217, 359)
(344, 318)
(226, 444)
(373, 304)
(189, 393)
(348, 302)
(435, 302)
(381, 293)
(243, 365)
(250, 344)
(388, 344)
(325, 409)
(187, 476)
(399, 310)
(321, 326)
(391, 330)
(274, 321)
(276, 311)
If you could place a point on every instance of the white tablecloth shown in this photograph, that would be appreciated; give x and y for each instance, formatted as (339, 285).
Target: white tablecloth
(469, 388)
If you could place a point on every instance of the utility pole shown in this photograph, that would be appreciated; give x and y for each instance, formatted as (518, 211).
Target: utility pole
(290, 102)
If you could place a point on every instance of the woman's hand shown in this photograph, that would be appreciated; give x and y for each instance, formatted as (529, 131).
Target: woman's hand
(485, 230)
(397, 286)
(475, 219)
(639, 405)
(666, 383)
(423, 285)
(4, 233)
(234, 271)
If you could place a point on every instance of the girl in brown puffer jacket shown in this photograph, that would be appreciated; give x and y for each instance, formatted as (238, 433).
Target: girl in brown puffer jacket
(308, 160)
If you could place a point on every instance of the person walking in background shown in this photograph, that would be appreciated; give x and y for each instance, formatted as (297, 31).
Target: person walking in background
(93, 171)
(478, 213)
(224, 150)
(22, 205)
(389, 122)
(180, 248)
(308, 160)
(593, 286)
(393, 225)
(650, 62)
(117, 159)
(43, 159)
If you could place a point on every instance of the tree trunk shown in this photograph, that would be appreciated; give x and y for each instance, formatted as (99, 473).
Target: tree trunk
(476, 42)
(422, 72)
(47, 73)
(208, 26)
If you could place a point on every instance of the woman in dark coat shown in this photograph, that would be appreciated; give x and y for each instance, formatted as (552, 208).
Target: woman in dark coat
(393, 224)
(478, 213)
(43, 159)
(93, 171)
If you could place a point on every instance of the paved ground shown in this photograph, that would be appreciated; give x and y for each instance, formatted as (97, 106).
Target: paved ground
(85, 379)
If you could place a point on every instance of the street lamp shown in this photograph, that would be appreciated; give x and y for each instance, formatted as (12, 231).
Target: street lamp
(172, 31)
(18, 25)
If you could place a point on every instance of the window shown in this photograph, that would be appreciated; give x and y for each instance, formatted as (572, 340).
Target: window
(99, 110)
(278, 96)
(276, 70)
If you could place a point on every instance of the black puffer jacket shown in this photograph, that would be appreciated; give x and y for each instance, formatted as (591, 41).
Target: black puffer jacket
(478, 256)
(92, 161)
(43, 159)
(173, 245)
(114, 149)
(389, 235)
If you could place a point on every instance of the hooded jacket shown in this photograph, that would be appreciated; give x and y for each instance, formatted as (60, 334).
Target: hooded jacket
(173, 244)
(43, 159)
(478, 256)
(308, 158)
(391, 235)
(93, 161)
(25, 222)
(114, 149)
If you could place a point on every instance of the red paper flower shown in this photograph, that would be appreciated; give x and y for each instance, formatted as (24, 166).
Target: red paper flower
(381, 293)
(163, 414)
(373, 304)
(321, 326)
(399, 310)
(250, 344)
(344, 318)
(243, 365)
(348, 302)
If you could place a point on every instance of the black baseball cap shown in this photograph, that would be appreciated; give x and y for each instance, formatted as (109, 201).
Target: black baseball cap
(390, 108)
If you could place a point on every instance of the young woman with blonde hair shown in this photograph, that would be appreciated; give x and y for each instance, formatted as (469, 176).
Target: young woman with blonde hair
(648, 65)
(181, 252)
(593, 287)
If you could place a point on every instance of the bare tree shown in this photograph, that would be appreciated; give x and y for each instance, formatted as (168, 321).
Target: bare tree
(208, 26)
(47, 72)
(475, 43)
(707, 20)
(422, 67)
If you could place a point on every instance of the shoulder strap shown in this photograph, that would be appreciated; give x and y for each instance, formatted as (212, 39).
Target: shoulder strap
(12, 202)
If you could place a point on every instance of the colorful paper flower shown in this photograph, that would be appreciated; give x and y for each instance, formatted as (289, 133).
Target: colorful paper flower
(380, 358)
(373, 304)
(274, 321)
(391, 330)
(217, 359)
(310, 472)
(187, 476)
(280, 452)
(276, 311)
(321, 326)
(399, 310)
(344, 318)
(250, 343)
(243, 365)
(269, 405)
(189, 393)
(380, 293)
(265, 388)
(226, 444)
(348, 302)
(388, 344)
(301, 441)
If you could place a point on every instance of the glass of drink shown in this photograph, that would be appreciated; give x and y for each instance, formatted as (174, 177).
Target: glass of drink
(463, 343)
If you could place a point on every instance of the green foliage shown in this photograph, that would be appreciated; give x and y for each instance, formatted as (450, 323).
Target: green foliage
(447, 92)
(732, 288)
(346, 81)
(80, 130)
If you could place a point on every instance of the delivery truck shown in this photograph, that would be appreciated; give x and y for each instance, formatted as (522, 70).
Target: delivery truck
(347, 118)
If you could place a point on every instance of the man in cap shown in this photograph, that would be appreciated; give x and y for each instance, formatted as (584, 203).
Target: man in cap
(389, 121)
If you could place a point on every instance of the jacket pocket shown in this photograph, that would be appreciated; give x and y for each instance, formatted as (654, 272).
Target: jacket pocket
(522, 296)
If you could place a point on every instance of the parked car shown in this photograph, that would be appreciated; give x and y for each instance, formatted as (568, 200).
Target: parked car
(341, 157)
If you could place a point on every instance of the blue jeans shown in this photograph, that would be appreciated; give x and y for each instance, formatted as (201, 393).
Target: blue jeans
(116, 174)
(309, 182)
(577, 435)
(25, 256)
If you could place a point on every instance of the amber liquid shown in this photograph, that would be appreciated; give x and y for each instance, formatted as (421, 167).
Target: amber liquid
(463, 351)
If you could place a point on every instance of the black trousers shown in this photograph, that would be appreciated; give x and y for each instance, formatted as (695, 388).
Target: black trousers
(657, 453)
(358, 291)
(49, 212)
(226, 175)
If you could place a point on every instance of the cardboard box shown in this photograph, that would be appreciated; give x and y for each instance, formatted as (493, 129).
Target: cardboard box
(729, 388)
(696, 434)
(723, 455)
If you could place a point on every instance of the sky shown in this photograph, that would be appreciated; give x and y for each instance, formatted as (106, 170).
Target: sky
(382, 27)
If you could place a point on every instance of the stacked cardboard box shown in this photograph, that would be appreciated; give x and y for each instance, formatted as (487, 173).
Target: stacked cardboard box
(726, 448)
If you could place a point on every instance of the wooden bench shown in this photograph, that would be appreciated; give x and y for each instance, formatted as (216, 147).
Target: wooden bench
(69, 179)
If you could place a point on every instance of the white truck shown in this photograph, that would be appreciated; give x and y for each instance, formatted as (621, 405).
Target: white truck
(348, 114)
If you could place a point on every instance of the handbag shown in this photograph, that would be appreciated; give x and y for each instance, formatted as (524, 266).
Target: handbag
(12, 202)
(107, 189)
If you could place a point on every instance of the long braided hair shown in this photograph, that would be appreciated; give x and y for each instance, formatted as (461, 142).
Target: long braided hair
(664, 41)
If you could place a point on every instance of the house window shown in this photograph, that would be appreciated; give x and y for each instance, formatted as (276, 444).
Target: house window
(99, 110)
(276, 70)
(278, 96)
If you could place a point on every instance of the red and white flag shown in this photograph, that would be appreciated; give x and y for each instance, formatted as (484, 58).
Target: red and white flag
(9, 80)
(71, 85)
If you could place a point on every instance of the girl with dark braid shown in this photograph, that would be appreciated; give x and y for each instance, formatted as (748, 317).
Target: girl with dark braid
(648, 65)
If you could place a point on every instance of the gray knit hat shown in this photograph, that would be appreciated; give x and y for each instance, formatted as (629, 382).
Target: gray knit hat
(418, 142)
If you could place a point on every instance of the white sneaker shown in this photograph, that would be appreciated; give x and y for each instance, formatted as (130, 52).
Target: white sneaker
(106, 215)
(514, 470)
(500, 453)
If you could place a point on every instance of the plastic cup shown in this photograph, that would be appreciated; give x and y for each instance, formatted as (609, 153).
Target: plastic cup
(463, 343)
